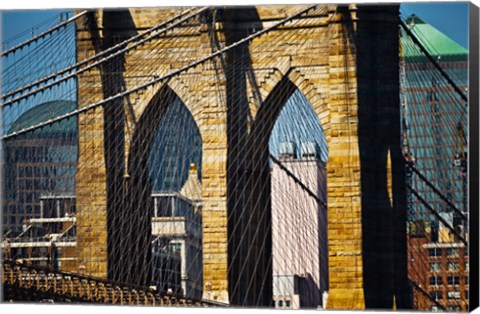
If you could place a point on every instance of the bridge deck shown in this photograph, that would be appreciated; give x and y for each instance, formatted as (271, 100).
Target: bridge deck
(30, 283)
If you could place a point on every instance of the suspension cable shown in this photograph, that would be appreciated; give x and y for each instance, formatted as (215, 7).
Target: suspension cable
(164, 77)
(436, 214)
(429, 184)
(45, 33)
(435, 63)
(303, 186)
(426, 294)
(68, 69)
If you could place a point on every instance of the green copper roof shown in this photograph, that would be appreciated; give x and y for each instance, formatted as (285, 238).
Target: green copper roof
(434, 41)
(44, 112)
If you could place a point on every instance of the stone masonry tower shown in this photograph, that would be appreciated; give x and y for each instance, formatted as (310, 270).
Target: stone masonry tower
(344, 59)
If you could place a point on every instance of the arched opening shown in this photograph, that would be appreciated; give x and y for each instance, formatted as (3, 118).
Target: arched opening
(157, 207)
(176, 145)
(251, 221)
(175, 178)
(299, 153)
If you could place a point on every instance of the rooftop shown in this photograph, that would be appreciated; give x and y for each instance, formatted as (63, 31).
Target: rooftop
(434, 41)
(44, 112)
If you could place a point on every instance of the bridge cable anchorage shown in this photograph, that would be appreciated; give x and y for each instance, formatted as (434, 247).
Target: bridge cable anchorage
(164, 77)
(429, 184)
(435, 63)
(51, 30)
(436, 214)
(97, 56)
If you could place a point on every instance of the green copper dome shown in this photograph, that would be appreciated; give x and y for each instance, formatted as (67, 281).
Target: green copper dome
(44, 112)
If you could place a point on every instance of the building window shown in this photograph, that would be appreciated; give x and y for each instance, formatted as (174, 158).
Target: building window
(436, 295)
(436, 280)
(435, 252)
(467, 295)
(453, 280)
(435, 267)
(452, 252)
(453, 295)
(164, 206)
(287, 304)
(280, 303)
(466, 280)
(466, 251)
(454, 308)
(453, 266)
(175, 247)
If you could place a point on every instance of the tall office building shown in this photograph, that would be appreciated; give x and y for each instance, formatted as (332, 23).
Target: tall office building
(431, 107)
(299, 228)
(39, 163)
(437, 258)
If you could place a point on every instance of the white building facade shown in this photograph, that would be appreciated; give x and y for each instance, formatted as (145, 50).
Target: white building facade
(177, 229)
(299, 228)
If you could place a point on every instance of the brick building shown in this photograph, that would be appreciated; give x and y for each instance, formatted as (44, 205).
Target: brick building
(440, 268)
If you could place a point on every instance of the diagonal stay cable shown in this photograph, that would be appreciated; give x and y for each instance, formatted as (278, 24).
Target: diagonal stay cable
(45, 33)
(432, 60)
(303, 186)
(164, 77)
(95, 57)
(436, 214)
(439, 193)
(426, 294)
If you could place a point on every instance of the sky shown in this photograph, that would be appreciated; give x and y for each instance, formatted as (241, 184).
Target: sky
(450, 18)
(16, 22)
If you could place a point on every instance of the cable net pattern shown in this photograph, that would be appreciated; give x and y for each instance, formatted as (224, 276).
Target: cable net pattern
(206, 177)
(435, 144)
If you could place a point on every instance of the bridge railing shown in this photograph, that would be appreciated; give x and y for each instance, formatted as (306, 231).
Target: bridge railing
(78, 288)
